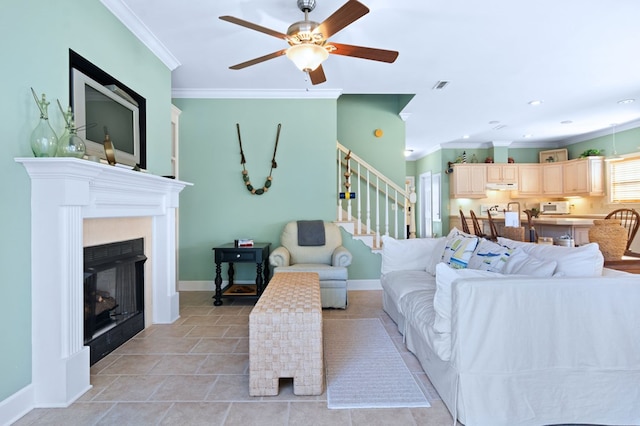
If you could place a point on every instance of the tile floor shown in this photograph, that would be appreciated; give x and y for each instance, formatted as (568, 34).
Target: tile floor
(195, 371)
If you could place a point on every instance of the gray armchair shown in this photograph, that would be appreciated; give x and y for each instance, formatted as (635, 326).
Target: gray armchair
(323, 254)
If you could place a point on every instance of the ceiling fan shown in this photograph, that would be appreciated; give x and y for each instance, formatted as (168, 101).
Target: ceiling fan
(308, 40)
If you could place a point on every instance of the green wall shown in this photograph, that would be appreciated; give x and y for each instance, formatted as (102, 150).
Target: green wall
(436, 162)
(36, 37)
(359, 116)
(219, 209)
(626, 142)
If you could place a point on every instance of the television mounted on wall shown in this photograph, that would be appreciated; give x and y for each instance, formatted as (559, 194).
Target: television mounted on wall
(102, 105)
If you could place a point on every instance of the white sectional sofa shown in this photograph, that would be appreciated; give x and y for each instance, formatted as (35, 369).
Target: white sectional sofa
(532, 335)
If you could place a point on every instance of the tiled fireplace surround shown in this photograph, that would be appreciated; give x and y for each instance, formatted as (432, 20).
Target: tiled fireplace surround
(76, 203)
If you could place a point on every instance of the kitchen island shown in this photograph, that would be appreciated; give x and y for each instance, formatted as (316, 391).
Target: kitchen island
(557, 227)
(554, 226)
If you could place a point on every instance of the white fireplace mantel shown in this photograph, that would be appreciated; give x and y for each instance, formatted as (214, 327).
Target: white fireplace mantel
(64, 192)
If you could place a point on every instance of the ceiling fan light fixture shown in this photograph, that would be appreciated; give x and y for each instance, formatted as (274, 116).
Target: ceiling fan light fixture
(306, 5)
(307, 56)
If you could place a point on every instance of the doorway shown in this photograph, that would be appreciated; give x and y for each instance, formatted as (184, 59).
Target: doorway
(430, 211)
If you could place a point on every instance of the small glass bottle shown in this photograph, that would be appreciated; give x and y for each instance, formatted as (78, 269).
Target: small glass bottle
(70, 144)
(44, 141)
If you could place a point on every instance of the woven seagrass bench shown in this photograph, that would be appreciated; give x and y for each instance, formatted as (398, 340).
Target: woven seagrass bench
(285, 336)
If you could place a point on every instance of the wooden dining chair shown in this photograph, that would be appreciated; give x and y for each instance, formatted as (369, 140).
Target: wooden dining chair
(630, 220)
(492, 228)
(463, 221)
(477, 229)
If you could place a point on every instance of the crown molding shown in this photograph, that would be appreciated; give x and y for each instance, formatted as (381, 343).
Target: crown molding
(466, 145)
(254, 94)
(598, 133)
(141, 31)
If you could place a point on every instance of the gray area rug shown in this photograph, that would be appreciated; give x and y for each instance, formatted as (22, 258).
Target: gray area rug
(364, 368)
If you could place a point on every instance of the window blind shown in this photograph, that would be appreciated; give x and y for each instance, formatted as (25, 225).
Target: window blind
(625, 180)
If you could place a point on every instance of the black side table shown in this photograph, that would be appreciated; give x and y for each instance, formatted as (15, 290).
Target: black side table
(229, 253)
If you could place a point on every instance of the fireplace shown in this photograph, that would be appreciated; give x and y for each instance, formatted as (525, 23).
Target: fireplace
(65, 193)
(113, 295)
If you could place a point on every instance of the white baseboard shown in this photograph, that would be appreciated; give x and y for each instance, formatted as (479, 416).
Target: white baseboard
(17, 405)
(210, 285)
(197, 285)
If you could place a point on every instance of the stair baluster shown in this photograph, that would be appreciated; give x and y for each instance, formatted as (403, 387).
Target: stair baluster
(389, 197)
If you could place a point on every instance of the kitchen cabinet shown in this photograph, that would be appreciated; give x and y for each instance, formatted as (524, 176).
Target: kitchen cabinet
(552, 182)
(530, 180)
(583, 176)
(502, 173)
(468, 181)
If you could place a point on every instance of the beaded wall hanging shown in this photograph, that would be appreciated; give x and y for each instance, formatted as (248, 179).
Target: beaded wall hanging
(245, 173)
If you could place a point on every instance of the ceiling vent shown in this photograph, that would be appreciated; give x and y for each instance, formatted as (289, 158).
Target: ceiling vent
(440, 85)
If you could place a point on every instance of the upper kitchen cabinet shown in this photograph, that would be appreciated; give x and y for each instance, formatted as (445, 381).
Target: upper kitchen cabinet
(552, 182)
(530, 180)
(502, 173)
(583, 176)
(468, 181)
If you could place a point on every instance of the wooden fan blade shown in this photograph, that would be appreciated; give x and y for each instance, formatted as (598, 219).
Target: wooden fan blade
(253, 26)
(317, 76)
(258, 60)
(381, 55)
(347, 14)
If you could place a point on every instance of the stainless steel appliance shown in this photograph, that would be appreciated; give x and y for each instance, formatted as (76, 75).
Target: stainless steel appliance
(555, 207)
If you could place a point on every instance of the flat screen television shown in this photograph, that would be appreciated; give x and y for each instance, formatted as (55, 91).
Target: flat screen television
(102, 105)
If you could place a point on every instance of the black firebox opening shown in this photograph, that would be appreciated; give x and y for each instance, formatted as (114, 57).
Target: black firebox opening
(113, 295)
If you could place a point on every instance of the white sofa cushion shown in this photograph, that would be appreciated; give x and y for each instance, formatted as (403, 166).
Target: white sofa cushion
(419, 313)
(416, 254)
(522, 263)
(398, 284)
(442, 301)
(583, 261)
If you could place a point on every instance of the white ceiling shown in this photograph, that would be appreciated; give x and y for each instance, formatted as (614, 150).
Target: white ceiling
(579, 57)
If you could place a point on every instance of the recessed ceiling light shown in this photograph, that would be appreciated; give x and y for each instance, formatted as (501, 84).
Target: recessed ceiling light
(494, 122)
(626, 101)
(408, 152)
(566, 122)
(535, 102)
(465, 137)
(527, 136)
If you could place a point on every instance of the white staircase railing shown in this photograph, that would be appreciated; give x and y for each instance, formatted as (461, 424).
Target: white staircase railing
(362, 187)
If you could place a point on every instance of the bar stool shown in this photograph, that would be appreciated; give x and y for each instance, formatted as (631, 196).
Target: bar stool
(463, 220)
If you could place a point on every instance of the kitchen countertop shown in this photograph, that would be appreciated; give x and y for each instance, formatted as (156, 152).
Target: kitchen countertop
(568, 221)
(560, 220)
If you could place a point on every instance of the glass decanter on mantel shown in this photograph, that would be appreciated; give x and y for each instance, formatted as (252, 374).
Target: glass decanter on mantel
(70, 144)
(44, 141)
